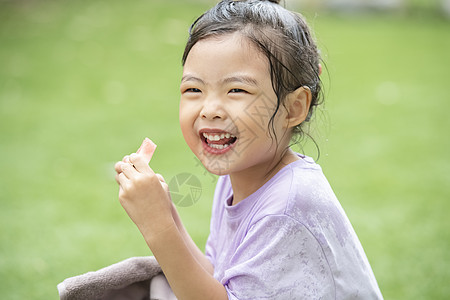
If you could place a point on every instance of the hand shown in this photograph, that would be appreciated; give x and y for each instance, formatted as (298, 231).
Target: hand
(147, 149)
(142, 193)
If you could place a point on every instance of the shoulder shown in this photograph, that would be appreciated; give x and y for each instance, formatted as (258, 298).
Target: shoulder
(281, 232)
(303, 195)
(298, 188)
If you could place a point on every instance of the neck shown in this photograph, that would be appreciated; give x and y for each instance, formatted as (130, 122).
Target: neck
(248, 181)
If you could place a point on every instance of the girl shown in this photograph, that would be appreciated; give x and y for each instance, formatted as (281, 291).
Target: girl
(250, 81)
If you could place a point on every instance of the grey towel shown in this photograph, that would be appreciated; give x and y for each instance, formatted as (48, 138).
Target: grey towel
(128, 279)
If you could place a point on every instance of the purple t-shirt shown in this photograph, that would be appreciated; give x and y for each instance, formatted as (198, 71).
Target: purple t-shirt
(290, 239)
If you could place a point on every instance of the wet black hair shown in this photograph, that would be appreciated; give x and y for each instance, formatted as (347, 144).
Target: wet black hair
(281, 35)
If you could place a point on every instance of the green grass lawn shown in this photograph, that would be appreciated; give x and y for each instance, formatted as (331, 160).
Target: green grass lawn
(82, 83)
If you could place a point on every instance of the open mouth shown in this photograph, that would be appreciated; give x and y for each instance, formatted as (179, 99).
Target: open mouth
(217, 141)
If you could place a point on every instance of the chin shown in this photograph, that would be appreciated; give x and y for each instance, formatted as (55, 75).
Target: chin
(218, 172)
(215, 165)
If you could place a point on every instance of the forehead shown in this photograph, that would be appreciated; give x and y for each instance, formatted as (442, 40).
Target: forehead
(226, 52)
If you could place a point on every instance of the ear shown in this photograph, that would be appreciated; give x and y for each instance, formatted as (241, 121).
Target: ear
(297, 106)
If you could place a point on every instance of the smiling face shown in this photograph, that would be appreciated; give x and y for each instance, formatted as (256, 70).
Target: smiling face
(226, 103)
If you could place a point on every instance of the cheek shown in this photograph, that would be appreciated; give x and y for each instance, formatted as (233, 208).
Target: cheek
(185, 125)
(258, 115)
(185, 113)
(183, 118)
(187, 122)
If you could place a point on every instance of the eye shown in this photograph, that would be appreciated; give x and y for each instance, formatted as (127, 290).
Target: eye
(192, 90)
(237, 91)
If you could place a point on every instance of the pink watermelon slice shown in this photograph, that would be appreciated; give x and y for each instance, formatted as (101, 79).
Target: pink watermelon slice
(147, 148)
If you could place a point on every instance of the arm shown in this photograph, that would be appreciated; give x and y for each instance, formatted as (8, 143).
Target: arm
(187, 277)
(196, 252)
(147, 203)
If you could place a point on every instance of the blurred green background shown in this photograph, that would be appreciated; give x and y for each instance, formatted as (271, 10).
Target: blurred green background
(83, 82)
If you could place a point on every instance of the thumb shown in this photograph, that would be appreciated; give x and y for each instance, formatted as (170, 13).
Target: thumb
(147, 149)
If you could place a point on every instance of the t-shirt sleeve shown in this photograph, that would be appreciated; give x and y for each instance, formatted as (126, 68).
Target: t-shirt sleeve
(279, 258)
(209, 250)
(222, 189)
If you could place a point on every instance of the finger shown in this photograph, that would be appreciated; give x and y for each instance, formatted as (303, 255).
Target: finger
(166, 188)
(118, 166)
(140, 163)
(126, 159)
(165, 185)
(117, 177)
(122, 180)
(129, 171)
(160, 177)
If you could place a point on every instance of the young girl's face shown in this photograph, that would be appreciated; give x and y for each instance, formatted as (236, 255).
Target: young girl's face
(226, 103)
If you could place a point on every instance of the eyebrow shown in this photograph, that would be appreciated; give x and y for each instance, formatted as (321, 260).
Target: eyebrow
(242, 79)
(239, 78)
(191, 78)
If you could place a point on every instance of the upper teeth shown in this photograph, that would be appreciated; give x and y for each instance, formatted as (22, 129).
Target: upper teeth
(217, 137)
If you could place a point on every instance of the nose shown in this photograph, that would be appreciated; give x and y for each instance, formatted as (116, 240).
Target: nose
(212, 109)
